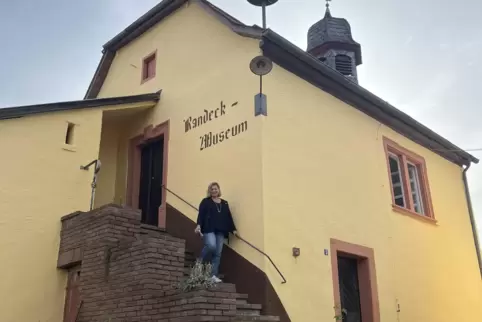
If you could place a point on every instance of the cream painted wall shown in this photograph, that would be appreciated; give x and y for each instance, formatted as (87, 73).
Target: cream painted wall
(191, 44)
(314, 169)
(325, 176)
(108, 155)
(40, 182)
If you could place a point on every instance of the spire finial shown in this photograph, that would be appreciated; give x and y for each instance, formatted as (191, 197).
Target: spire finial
(328, 13)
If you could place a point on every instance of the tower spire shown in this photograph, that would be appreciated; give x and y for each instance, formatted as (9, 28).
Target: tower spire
(330, 40)
(327, 13)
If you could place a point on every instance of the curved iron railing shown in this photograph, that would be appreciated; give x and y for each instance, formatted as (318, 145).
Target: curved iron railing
(237, 236)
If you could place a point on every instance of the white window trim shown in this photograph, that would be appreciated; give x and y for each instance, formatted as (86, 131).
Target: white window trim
(418, 187)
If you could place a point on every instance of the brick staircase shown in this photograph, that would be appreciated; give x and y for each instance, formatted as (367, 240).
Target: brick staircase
(244, 311)
(128, 271)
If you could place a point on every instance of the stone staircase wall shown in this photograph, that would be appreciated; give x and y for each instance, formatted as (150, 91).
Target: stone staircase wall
(129, 273)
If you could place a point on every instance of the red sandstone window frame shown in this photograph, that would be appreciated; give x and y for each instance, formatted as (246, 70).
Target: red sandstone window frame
(408, 158)
(149, 67)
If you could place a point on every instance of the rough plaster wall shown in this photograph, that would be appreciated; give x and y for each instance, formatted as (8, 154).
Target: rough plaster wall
(40, 181)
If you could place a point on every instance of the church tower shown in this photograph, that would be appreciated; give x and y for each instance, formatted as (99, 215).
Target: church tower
(330, 41)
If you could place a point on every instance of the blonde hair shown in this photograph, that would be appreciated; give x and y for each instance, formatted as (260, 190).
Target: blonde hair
(210, 186)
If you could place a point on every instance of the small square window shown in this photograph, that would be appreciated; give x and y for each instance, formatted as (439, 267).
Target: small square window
(149, 67)
(408, 180)
(69, 134)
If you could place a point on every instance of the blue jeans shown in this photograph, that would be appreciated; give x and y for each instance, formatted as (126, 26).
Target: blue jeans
(213, 245)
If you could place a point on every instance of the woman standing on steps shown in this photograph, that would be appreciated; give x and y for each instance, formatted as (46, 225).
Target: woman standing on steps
(214, 223)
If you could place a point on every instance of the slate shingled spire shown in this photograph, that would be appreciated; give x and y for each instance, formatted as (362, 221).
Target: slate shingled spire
(330, 40)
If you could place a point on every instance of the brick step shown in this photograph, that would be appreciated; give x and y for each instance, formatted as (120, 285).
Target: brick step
(224, 287)
(247, 306)
(249, 309)
(240, 296)
(255, 318)
(227, 288)
(187, 271)
(248, 312)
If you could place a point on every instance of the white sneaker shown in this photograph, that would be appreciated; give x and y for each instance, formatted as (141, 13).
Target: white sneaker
(216, 279)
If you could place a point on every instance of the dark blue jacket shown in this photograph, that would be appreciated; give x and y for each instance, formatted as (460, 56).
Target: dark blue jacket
(212, 220)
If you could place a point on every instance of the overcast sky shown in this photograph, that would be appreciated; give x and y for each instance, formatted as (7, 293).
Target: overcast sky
(422, 56)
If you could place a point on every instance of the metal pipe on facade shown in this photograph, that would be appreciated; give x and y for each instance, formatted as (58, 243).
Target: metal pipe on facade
(472, 218)
(94, 178)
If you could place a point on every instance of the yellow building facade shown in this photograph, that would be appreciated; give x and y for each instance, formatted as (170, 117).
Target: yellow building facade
(310, 184)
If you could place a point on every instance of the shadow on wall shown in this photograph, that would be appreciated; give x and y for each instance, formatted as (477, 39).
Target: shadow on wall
(235, 268)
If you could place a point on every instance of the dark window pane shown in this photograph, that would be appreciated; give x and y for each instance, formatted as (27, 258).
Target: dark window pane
(395, 178)
(393, 164)
(400, 202)
(397, 187)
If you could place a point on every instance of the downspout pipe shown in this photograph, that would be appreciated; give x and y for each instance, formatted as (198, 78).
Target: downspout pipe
(472, 218)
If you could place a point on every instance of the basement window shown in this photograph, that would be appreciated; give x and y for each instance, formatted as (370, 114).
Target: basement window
(149, 67)
(408, 180)
(69, 135)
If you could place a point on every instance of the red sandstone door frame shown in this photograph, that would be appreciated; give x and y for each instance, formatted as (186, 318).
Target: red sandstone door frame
(134, 166)
(72, 296)
(367, 277)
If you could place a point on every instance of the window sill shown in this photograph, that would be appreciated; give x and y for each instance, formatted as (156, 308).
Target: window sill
(412, 214)
(68, 147)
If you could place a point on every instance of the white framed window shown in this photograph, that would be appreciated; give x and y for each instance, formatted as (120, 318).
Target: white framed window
(408, 180)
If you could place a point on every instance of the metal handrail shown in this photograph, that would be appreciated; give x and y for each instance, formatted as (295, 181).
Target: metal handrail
(237, 236)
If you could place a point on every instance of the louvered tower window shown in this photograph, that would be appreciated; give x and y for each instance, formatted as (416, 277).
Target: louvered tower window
(343, 64)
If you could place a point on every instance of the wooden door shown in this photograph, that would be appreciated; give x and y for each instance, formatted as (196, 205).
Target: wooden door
(72, 295)
(150, 186)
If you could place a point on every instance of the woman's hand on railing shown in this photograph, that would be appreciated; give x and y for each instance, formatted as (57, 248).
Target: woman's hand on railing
(198, 230)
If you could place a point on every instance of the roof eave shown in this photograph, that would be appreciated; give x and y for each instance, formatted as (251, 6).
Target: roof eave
(302, 64)
(164, 9)
(147, 21)
(100, 74)
(138, 27)
(21, 111)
